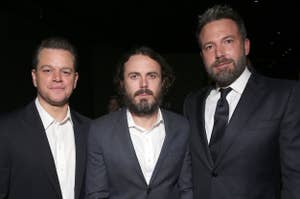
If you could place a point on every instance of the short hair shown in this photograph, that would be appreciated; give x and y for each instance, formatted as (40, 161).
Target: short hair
(221, 12)
(59, 43)
(168, 76)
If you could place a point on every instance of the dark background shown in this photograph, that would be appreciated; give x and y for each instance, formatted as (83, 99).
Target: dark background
(104, 30)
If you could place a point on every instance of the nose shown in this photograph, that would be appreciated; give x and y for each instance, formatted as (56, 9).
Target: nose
(57, 76)
(144, 82)
(219, 52)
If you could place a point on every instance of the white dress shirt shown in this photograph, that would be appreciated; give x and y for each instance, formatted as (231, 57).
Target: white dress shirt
(61, 140)
(147, 143)
(232, 98)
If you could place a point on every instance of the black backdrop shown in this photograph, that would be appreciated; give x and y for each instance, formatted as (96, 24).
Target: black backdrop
(102, 31)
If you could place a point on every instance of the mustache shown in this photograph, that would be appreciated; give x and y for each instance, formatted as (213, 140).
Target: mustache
(142, 91)
(222, 61)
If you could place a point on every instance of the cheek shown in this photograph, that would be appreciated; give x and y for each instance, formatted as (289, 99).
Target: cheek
(128, 89)
(208, 58)
(40, 82)
(156, 88)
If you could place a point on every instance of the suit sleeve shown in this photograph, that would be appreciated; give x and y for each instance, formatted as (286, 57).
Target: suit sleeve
(4, 165)
(186, 106)
(96, 177)
(185, 177)
(290, 147)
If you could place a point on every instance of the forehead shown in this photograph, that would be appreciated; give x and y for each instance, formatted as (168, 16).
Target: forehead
(218, 29)
(141, 64)
(55, 57)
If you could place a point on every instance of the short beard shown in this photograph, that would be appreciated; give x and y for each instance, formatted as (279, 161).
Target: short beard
(142, 108)
(226, 76)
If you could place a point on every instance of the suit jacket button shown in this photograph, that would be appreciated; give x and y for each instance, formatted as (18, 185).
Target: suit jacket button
(148, 190)
(214, 174)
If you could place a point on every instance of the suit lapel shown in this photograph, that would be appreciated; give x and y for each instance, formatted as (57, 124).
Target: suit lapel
(80, 131)
(249, 102)
(42, 149)
(200, 117)
(125, 142)
(164, 150)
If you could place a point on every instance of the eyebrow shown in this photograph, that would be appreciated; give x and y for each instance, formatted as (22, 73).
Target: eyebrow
(64, 67)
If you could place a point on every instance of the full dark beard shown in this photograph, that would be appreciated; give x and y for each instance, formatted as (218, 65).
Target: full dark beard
(143, 107)
(226, 76)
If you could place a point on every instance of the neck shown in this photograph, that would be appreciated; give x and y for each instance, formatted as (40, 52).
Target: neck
(57, 112)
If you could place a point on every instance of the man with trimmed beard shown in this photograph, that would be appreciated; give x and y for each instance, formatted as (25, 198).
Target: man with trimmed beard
(245, 129)
(140, 151)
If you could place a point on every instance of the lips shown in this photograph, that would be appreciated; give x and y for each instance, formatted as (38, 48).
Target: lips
(143, 92)
(57, 88)
(222, 63)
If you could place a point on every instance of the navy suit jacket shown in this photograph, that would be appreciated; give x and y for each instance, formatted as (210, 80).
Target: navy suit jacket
(27, 168)
(260, 152)
(113, 170)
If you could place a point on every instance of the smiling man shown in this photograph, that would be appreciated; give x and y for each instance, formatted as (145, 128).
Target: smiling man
(140, 151)
(43, 146)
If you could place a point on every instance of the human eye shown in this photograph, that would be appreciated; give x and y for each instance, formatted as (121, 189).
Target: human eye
(152, 75)
(66, 72)
(133, 76)
(46, 70)
(228, 41)
(208, 47)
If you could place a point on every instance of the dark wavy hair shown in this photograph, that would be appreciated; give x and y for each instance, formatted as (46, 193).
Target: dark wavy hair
(168, 76)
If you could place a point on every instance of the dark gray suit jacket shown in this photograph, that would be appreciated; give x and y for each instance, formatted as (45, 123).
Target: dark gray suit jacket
(113, 170)
(260, 152)
(27, 168)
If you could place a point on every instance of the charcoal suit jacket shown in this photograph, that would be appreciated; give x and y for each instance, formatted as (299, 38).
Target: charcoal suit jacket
(113, 170)
(260, 150)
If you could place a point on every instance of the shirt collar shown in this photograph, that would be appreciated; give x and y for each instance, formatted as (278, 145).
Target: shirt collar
(131, 123)
(47, 119)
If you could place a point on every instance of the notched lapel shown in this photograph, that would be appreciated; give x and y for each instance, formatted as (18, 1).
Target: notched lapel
(249, 102)
(80, 136)
(200, 121)
(34, 125)
(124, 142)
(166, 144)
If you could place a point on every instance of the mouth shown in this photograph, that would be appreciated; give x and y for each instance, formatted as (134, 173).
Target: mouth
(143, 92)
(57, 88)
(222, 64)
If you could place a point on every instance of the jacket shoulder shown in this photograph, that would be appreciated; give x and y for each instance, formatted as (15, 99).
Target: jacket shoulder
(176, 118)
(110, 117)
(195, 94)
(80, 116)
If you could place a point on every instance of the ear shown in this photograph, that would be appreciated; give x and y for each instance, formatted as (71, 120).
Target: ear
(75, 80)
(247, 46)
(33, 76)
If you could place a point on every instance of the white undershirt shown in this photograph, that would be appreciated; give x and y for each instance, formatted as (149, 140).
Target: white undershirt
(61, 140)
(233, 98)
(147, 143)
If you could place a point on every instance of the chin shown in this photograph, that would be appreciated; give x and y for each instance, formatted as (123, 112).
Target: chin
(59, 101)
